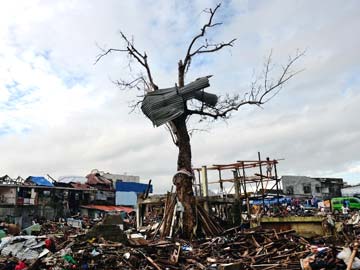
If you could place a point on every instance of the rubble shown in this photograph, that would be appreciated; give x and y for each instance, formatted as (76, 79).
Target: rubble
(110, 244)
(110, 247)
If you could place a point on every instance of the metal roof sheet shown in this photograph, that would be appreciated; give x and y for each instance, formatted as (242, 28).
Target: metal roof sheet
(166, 104)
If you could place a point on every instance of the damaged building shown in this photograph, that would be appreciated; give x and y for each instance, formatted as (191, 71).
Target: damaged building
(304, 186)
(24, 200)
(37, 197)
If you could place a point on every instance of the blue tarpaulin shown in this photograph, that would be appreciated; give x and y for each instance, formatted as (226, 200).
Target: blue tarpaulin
(270, 201)
(40, 181)
(132, 187)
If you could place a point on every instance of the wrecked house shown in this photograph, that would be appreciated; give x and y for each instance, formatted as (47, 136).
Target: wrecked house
(22, 204)
(105, 192)
(116, 189)
(23, 201)
(305, 187)
(37, 197)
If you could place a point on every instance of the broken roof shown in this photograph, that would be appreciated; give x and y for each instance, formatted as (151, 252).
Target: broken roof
(108, 208)
(95, 179)
(39, 181)
(72, 179)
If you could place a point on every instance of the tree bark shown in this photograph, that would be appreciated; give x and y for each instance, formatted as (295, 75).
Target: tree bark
(182, 181)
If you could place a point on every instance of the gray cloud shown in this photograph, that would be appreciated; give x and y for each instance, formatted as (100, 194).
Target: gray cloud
(76, 125)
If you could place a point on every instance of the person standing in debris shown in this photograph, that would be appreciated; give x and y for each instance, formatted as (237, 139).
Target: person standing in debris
(268, 168)
(345, 209)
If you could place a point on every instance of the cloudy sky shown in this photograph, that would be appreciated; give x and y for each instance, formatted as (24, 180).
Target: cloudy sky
(61, 114)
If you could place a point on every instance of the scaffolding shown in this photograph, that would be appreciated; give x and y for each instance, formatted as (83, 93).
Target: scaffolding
(242, 185)
(239, 183)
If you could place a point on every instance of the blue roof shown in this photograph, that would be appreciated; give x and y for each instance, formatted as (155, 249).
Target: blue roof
(40, 181)
(132, 186)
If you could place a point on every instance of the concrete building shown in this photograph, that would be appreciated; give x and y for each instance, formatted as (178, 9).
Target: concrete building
(351, 191)
(7, 194)
(304, 186)
(331, 187)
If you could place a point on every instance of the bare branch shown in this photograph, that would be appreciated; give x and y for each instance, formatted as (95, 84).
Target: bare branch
(192, 131)
(209, 48)
(106, 52)
(284, 77)
(203, 30)
(223, 110)
(132, 53)
(205, 48)
(135, 104)
(258, 95)
(138, 83)
(267, 67)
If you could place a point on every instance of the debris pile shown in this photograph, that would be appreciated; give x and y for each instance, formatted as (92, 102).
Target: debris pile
(52, 227)
(254, 249)
(107, 246)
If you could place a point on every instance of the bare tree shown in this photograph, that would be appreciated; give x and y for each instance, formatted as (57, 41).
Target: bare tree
(260, 92)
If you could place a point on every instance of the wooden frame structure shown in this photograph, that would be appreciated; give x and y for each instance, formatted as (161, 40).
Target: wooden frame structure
(223, 208)
(241, 181)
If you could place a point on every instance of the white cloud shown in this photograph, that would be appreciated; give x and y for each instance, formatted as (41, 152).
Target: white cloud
(354, 168)
(60, 114)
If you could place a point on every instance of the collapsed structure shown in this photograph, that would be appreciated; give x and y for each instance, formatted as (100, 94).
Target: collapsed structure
(25, 201)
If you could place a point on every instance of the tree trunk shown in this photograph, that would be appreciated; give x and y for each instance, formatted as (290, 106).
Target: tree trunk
(182, 180)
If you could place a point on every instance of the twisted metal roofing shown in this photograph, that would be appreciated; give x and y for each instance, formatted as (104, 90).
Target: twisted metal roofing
(166, 104)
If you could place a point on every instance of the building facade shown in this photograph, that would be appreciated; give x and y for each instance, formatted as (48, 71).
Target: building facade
(306, 187)
(351, 191)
